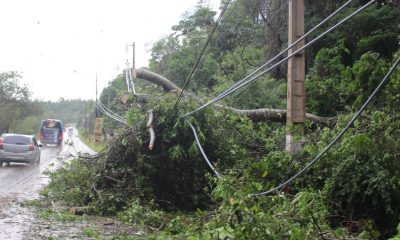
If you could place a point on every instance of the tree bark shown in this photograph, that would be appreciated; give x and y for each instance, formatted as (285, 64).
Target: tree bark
(166, 84)
(257, 115)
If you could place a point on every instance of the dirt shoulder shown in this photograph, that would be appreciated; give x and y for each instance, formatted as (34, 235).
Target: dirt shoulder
(54, 221)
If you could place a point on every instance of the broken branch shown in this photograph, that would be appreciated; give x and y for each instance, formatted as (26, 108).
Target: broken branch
(151, 130)
(257, 115)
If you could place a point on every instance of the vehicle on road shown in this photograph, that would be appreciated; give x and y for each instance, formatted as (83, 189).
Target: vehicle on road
(19, 148)
(51, 132)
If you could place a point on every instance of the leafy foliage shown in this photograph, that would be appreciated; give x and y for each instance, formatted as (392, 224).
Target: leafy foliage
(365, 182)
(352, 192)
(18, 112)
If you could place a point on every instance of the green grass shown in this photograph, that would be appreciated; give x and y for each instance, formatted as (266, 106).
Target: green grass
(90, 143)
(91, 232)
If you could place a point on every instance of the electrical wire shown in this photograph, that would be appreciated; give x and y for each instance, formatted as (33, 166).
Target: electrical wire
(118, 120)
(109, 115)
(257, 73)
(132, 83)
(202, 151)
(115, 117)
(246, 80)
(222, 25)
(128, 83)
(336, 139)
(202, 52)
(290, 46)
(110, 112)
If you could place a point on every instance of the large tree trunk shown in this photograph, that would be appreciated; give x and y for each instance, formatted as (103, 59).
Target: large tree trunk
(258, 115)
(166, 84)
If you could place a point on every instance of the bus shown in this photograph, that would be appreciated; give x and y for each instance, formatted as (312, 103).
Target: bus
(51, 132)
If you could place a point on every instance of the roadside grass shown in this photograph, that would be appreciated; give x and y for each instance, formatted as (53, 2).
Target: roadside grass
(46, 210)
(88, 140)
(91, 232)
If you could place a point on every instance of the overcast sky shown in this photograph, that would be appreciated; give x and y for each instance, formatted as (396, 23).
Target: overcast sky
(59, 45)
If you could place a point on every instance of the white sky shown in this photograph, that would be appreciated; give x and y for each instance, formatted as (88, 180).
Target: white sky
(59, 45)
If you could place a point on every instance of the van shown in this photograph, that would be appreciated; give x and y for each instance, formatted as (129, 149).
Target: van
(51, 132)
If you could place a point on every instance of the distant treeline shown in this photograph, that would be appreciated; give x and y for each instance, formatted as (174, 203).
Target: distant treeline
(21, 114)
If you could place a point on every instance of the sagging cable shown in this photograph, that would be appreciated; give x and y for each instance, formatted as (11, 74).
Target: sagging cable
(203, 153)
(336, 139)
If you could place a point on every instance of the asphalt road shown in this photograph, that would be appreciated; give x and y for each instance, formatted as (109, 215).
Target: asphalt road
(21, 182)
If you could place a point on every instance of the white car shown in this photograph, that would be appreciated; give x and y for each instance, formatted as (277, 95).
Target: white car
(19, 148)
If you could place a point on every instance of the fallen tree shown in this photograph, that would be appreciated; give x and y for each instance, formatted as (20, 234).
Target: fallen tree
(157, 160)
(257, 115)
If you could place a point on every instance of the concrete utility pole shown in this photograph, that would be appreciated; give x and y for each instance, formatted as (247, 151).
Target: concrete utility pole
(296, 75)
(96, 112)
(133, 55)
(133, 72)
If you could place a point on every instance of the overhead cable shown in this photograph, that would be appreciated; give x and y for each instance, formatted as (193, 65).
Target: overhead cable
(129, 81)
(119, 119)
(291, 45)
(227, 17)
(115, 117)
(109, 115)
(110, 111)
(203, 153)
(129, 72)
(336, 139)
(257, 73)
(202, 51)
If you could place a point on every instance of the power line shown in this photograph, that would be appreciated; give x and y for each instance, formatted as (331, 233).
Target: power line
(107, 114)
(336, 139)
(292, 44)
(110, 114)
(246, 80)
(202, 51)
(115, 117)
(102, 106)
(227, 17)
(257, 73)
(202, 151)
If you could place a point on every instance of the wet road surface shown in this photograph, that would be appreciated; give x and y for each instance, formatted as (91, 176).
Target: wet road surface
(20, 182)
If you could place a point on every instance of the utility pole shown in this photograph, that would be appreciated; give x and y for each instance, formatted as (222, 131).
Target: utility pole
(133, 70)
(133, 55)
(96, 112)
(296, 76)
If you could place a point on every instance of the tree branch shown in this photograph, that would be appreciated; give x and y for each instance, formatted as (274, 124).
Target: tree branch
(257, 115)
(166, 84)
(151, 130)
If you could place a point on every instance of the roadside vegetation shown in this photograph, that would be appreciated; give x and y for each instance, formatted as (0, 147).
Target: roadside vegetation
(169, 192)
(22, 114)
(87, 139)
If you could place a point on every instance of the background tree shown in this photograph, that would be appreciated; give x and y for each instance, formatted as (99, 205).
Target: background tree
(15, 104)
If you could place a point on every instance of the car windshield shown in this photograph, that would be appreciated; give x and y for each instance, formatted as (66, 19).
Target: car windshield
(18, 140)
